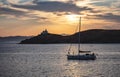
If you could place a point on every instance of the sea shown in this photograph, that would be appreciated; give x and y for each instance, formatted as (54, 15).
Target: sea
(50, 60)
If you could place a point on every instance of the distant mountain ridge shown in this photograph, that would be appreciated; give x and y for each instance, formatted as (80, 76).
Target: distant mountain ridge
(16, 39)
(88, 36)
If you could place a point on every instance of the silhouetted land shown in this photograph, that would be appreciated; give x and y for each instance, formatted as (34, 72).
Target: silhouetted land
(89, 36)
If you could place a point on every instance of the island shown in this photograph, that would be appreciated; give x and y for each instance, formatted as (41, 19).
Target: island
(88, 36)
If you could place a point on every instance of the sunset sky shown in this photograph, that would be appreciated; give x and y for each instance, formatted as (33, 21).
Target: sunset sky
(30, 17)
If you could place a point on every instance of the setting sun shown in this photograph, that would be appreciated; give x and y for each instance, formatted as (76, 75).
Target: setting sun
(72, 18)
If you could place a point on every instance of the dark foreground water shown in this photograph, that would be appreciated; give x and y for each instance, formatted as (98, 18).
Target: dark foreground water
(49, 60)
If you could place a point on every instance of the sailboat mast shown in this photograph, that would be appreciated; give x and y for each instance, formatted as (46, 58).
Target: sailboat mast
(79, 35)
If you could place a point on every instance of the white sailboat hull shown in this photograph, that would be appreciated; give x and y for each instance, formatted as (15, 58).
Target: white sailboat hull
(81, 57)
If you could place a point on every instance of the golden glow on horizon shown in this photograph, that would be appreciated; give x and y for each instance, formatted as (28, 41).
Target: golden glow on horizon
(64, 24)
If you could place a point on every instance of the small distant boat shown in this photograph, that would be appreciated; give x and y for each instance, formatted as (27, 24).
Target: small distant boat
(82, 55)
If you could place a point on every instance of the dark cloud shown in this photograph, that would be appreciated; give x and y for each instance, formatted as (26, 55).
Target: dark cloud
(9, 11)
(61, 13)
(4, 2)
(19, 14)
(109, 17)
(54, 6)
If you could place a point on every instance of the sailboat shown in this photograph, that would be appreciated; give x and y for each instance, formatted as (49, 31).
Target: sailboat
(82, 55)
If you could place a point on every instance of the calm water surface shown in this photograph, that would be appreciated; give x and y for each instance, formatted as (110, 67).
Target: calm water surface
(49, 60)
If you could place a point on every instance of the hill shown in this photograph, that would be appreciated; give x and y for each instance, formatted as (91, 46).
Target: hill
(88, 36)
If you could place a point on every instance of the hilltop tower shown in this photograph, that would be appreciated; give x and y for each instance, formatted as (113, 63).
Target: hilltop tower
(44, 32)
